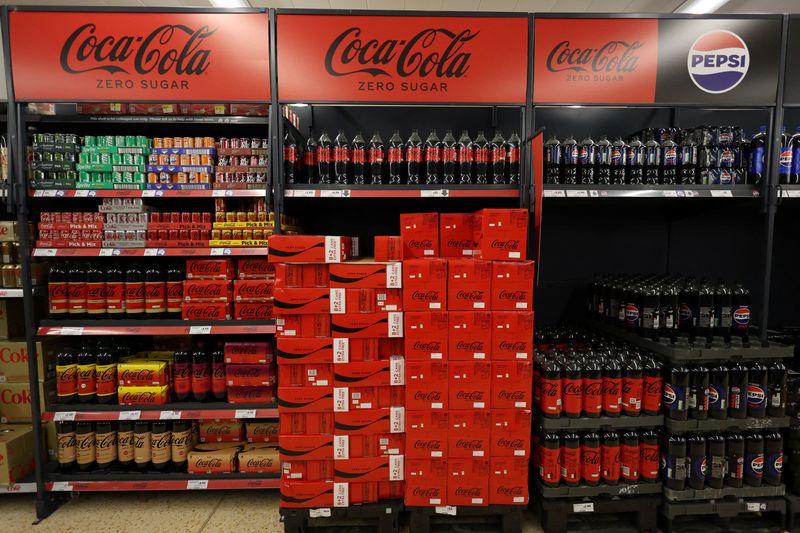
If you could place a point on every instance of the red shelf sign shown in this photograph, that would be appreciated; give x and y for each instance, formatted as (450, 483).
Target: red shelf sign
(118, 56)
(402, 59)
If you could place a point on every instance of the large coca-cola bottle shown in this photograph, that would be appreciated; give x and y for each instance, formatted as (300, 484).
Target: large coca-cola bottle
(58, 292)
(433, 158)
(414, 157)
(395, 157)
(76, 282)
(341, 157)
(512, 157)
(155, 292)
(449, 158)
(358, 154)
(174, 290)
(95, 291)
(324, 157)
(481, 158)
(497, 158)
(291, 155)
(466, 155)
(310, 160)
(201, 374)
(376, 156)
(115, 292)
(134, 291)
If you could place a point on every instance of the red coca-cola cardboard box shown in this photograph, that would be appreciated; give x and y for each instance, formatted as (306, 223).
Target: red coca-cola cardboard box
(206, 290)
(469, 434)
(249, 375)
(346, 350)
(468, 482)
(387, 468)
(367, 325)
(209, 268)
(366, 445)
(389, 347)
(251, 394)
(370, 421)
(301, 350)
(470, 335)
(391, 490)
(301, 301)
(456, 235)
(371, 373)
(512, 285)
(425, 285)
(303, 325)
(366, 275)
(353, 398)
(303, 494)
(309, 249)
(469, 284)
(205, 311)
(350, 494)
(253, 310)
(470, 384)
(389, 299)
(251, 353)
(508, 481)
(388, 248)
(307, 470)
(426, 482)
(427, 434)
(307, 399)
(353, 301)
(426, 336)
(292, 276)
(254, 268)
(512, 336)
(305, 375)
(426, 385)
(511, 385)
(511, 433)
(305, 447)
(252, 290)
(502, 234)
(300, 423)
(420, 233)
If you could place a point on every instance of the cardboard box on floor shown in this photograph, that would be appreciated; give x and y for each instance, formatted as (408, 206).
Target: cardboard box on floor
(16, 452)
(14, 359)
(15, 400)
(12, 319)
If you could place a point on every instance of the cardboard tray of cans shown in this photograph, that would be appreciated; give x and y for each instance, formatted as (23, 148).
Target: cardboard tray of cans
(586, 491)
(602, 422)
(764, 491)
(729, 424)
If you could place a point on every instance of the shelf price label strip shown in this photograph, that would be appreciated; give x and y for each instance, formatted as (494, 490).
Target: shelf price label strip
(164, 484)
(46, 331)
(135, 414)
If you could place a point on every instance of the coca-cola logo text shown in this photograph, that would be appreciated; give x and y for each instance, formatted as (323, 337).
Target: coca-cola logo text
(428, 396)
(613, 56)
(427, 445)
(472, 296)
(474, 444)
(517, 395)
(515, 346)
(510, 443)
(471, 493)
(426, 492)
(210, 312)
(510, 244)
(473, 346)
(510, 491)
(432, 346)
(512, 295)
(425, 296)
(425, 243)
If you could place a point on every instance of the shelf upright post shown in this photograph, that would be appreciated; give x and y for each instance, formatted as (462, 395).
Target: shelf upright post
(772, 185)
(275, 126)
(527, 155)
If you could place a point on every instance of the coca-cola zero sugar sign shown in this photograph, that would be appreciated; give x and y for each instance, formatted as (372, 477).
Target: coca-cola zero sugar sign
(595, 60)
(114, 56)
(407, 59)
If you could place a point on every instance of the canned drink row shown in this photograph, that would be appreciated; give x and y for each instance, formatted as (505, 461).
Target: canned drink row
(127, 218)
(57, 138)
(91, 158)
(126, 141)
(112, 177)
(177, 235)
(243, 142)
(241, 177)
(71, 235)
(181, 217)
(240, 216)
(183, 142)
(178, 177)
(240, 234)
(55, 175)
(71, 217)
(181, 159)
(243, 161)
(67, 157)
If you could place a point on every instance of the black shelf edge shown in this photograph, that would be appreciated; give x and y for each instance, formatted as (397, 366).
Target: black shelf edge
(602, 422)
(400, 187)
(148, 323)
(729, 424)
(177, 406)
(135, 119)
(689, 495)
(585, 491)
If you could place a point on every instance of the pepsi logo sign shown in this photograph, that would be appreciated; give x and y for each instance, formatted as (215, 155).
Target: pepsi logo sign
(755, 395)
(631, 313)
(669, 395)
(742, 316)
(704, 466)
(757, 464)
(786, 158)
(718, 61)
(778, 463)
(713, 395)
(686, 313)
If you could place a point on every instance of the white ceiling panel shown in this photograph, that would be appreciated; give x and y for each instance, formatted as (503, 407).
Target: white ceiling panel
(535, 6)
(497, 5)
(423, 5)
(761, 6)
(272, 3)
(609, 6)
(386, 4)
(460, 5)
(574, 6)
(653, 6)
(349, 4)
(312, 4)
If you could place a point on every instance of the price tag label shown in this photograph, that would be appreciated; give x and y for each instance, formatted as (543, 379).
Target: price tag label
(151, 252)
(594, 194)
(583, 507)
(435, 193)
(48, 193)
(577, 194)
(670, 194)
(792, 194)
(319, 513)
(335, 194)
(446, 509)
(44, 252)
(71, 330)
(220, 193)
(197, 484)
(553, 194)
(64, 416)
(61, 486)
(130, 415)
(721, 194)
(169, 415)
(83, 193)
(106, 252)
(199, 330)
(149, 193)
(690, 194)
(244, 413)
(219, 251)
(756, 506)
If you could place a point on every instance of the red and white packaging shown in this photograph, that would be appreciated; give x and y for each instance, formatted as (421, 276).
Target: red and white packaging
(309, 249)
(304, 494)
(252, 290)
(420, 233)
(470, 384)
(248, 353)
(352, 494)
(367, 397)
(468, 482)
(512, 336)
(306, 447)
(511, 433)
(426, 434)
(366, 275)
(426, 336)
(253, 310)
(425, 285)
(301, 301)
(251, 395)
(469, 284)
(456, 235)
(305, 374)
(389, 299)
(511, 385)
(370, 421)
(305, 399)
(388, 248)
(508, 481)
(205, 109)
(302, 350)
(469, 433)
(206, 290)
(426, 482)
(385, 468)
(209, 268)
(302, 423)
(205, 311)
(290, 275)
(367, 325)
(371, 373)
(353, 301)
(501, 234)
(318, 325)
(426, 385)
(512, 285)
(249, 375)
(254, 268)
(470, 335)
(346, 350)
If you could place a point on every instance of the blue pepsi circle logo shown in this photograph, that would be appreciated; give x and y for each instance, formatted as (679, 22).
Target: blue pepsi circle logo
(704, 466)
(726, 156)
(786, 158)
(742, 316)
(631, 313)
(755, 395)
(713, 395)
(616, 156)
(686, 313)
(778, 464)
(669, 395)
(757, 464)
(718, 61)
(670, 156)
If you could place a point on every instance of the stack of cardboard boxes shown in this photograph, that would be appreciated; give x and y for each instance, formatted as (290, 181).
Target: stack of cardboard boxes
(341, 374)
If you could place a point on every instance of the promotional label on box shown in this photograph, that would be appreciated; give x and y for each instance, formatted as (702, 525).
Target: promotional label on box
(512, 336)
(302, 350)
(420, 233)
(353, 301)
(426, 482)
(389, 299)
(251, 353)
(308, 249)
(469, 434)
(502, 234)
(426, 434)
(377, 397)
(469, 284)
(301, 301)
(512, 285)
(318, 325)
(456, 235)
(468, 483)
(367, 325)
(425, 285)
(508, 481)
(426, 336)
(308, 399)
(365, 275)
(426, 385)
(511, 385)
(511, 433)
(470, 335)
(307, 494)
(353, 494)
(370, 421)
(388, 468)
(470, 384)
(305, 447)
(289, 275)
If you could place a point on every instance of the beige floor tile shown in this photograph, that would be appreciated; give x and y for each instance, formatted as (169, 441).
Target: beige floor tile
(246, 511)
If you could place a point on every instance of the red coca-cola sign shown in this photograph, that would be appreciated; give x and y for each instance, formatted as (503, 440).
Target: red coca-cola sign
(140, 56)
(405, 59)
(595, 60)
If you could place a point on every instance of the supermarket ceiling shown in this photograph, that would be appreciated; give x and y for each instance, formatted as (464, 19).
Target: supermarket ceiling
(579, 6)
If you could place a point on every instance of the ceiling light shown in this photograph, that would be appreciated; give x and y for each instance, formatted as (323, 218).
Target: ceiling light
(701, 7)
(229, 4)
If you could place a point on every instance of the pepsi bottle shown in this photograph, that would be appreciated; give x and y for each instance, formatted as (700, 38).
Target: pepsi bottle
(734, 462)
(670, 312)
(785, 165)
(738, 378)
(754, 459)
(698, 392)
(675, 462)
(740, 321)
(552, 161)
(688, 160)
(794, 145)
(706, 318)
(718, 392)
(376, 156)
(634, 159)
(773, 458)
(617, 161)
(715, 464)
(652, 161)
(586, 160)
(414, 158)
(676, 391)
(466, 156)
(723, 304)
(569, 155)
(757, 390)
(758, 145)
(603, 157)
(776, 383)
(651, 313)
(698, 462)
(669, 161)
(395, 157)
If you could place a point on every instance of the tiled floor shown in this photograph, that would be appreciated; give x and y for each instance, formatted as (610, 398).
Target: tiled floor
(243, 511)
